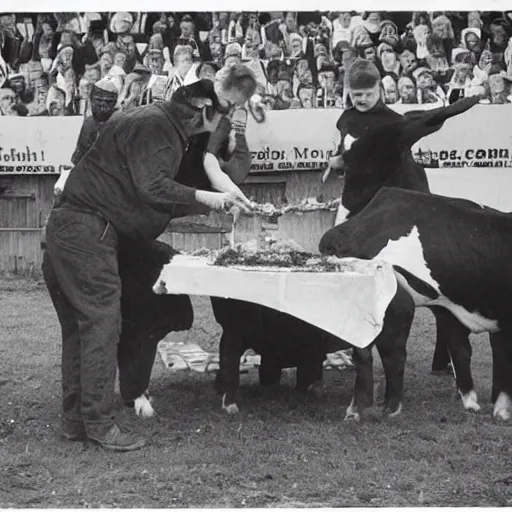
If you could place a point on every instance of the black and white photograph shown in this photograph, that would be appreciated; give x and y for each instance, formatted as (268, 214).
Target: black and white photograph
(258, 259)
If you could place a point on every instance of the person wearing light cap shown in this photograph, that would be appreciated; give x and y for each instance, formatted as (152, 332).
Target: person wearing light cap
(364, 87)
(103, 100)
(427, 89)
(124, 190)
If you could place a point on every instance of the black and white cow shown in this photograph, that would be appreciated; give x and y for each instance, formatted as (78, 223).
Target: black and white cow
(446, 252)
(382, 158)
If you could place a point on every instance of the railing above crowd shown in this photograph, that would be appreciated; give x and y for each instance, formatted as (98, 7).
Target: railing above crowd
(50, 61)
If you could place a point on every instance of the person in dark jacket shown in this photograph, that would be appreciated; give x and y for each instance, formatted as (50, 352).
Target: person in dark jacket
(124, 188)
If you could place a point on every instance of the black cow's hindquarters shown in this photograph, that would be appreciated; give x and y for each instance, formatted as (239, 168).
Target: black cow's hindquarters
(81, 274)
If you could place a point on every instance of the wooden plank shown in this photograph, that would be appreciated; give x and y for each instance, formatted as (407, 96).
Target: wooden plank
(266, 192)
(21, 252)
(21, 230)
(275, 177)
(304, 184)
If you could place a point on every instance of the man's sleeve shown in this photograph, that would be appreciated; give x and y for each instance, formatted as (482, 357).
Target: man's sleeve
(219, 140)
(86, 139)
(154, 156)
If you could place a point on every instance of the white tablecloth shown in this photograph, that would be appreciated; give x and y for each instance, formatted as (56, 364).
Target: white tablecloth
(350, 304)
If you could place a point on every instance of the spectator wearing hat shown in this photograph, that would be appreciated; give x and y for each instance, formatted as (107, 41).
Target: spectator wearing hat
(186, 37)
(235, 30)
(408, 63)
(326, 95)
(500, 88)
(40, 88)
(207, 70)
(462, 77)
(389, 34)
(482, 68)
(154, 61)
(442, 31)
(388, 59)
(321, 55)
(305, 97)
(406, 91)
(89, 52)
(471, 39)
(11, 39)
(232, 54)
(437, 60)
(341, 29)
(253, 32)
(63, 74)
(294, 46)
(284, 91)
(7, 101)
(126, 44)
(251, 59)
(18, 84)
(121, 23)
(370, 27)
(106, 60)
(421, 35)
(56, 102)
(427, 89)
(390, 89)
(301, 68)
(273, 68)
(182, 60)
(499, 36)
(135, 88)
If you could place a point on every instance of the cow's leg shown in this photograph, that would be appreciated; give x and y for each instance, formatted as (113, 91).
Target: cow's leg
(501, 344)
(363, 387)
(441, 360)
(231, 350)
(391, 344)
(135, 358)
(269, 371)
(460, 352)
(310, 374)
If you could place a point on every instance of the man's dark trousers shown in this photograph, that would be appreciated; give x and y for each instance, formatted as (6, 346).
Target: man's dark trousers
(80, 268)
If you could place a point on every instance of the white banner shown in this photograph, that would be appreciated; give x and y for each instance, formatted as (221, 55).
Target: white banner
(287, 140)
(304, 139)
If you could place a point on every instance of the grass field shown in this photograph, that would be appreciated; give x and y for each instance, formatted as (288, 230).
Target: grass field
(282, 450)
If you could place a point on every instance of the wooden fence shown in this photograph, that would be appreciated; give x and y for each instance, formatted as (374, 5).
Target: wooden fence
(26, 200)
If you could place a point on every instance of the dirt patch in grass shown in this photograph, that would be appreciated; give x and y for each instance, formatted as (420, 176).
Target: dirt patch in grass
(282, 450)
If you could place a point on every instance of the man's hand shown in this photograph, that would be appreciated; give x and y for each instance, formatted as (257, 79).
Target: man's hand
(222, 201)
(335, 163)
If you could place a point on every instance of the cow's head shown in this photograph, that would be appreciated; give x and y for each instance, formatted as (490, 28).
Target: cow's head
(382, 157)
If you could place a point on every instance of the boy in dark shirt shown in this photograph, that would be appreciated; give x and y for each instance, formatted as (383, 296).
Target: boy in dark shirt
(363, 84)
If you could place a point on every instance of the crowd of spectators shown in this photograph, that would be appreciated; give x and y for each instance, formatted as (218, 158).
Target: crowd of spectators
(49, 62)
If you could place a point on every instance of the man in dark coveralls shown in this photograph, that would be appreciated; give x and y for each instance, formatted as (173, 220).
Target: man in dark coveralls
(123, 188)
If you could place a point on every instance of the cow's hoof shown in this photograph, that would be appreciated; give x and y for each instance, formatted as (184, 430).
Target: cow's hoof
(470, 401)
(230, 408)
(352, 413)
(142, 406)
(503, 408)
(391, 412)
